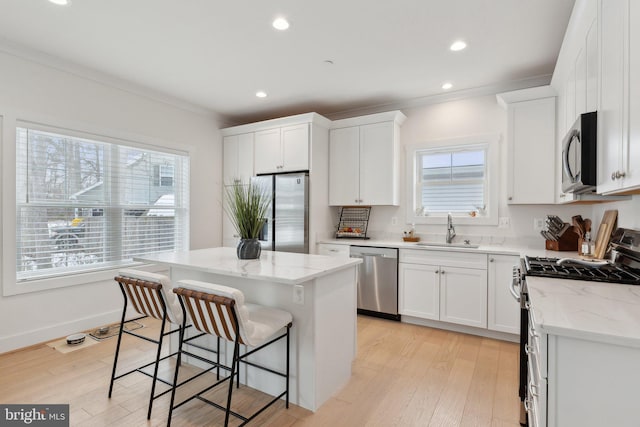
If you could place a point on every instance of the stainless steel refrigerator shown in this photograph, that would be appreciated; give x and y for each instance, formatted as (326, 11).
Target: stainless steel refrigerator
(286, 227)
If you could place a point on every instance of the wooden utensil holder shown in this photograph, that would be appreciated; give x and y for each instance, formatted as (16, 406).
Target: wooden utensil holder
(568, 241)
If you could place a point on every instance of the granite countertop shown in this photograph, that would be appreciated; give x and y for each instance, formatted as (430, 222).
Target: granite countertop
(605, 312)
(280, 267)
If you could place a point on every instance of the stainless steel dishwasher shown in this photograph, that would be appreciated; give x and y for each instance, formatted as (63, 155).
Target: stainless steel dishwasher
(377, 281)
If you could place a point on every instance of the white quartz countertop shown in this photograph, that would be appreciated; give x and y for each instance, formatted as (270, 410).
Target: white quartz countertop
(606, 312)
(495, 249)
(280, 267)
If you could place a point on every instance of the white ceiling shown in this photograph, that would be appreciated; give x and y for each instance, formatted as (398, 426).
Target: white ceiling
(216, 54)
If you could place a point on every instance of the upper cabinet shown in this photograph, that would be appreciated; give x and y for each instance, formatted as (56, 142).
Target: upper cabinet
(364, 155)
(238, 158)
(531, 115)
(598, 69)
(619, 112)
(283, 149)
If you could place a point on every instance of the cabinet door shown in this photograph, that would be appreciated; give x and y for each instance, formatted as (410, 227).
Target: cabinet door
(378, 177)
(230, 159)
(632, 162)
(268, 151)
(531, 139)
(503, 312)
(581, 82)
(463, 296)
(245, 157)
(611, 121)
(591, 100)
(419, 290)
(344, 164)
(295, 148)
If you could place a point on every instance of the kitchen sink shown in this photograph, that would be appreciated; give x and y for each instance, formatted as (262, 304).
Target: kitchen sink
(448, 245)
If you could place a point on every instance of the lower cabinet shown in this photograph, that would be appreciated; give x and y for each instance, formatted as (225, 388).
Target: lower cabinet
(445, 286)
(579, 381)
(503, 310)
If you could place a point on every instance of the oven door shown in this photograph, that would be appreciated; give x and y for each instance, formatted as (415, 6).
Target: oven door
(519, 292)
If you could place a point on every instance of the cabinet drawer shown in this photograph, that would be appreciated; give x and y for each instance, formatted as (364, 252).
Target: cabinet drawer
(444, 258)
(537, 344)
(333, 249)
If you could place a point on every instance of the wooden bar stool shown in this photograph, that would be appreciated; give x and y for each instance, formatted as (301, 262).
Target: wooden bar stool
(150, 296)
(221, 311)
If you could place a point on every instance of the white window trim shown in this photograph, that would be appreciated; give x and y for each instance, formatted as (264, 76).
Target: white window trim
(493, 185)
(9, 120)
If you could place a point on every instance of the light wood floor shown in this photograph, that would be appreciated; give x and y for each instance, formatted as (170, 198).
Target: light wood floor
(404, 375)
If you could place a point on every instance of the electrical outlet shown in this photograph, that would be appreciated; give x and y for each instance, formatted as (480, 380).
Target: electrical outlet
(538, 224)
(394, 220)
(504, 222)
(298, 294)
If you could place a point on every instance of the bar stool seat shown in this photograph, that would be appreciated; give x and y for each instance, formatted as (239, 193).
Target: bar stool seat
(222, 311)
(150, 295)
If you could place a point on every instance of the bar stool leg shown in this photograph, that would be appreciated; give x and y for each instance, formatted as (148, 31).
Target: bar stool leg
(287, 376)
(175, 375)
(234, 364)
(155, 369)
(115, 360)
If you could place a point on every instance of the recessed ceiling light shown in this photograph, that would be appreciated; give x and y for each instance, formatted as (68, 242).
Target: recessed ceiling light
(261, 94)
(61, 2)
(280, 24)
(458, 45)
(447, 86)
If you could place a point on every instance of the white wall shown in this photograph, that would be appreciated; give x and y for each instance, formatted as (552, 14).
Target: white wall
(33, 91)
(473, 116)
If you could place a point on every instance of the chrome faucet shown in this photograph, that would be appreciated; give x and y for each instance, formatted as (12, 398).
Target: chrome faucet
(451, 230)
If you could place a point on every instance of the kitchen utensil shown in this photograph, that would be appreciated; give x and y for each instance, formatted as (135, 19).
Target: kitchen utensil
(605, 229)
(559, 223)
(578, 223)
(587, 225)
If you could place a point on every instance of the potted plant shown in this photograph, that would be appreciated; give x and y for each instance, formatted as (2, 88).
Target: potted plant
(247, 206)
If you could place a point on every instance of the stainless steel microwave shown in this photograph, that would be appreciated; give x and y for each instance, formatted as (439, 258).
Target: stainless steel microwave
(579, 155)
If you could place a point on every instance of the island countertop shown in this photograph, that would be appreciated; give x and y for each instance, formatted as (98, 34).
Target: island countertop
(280, 267)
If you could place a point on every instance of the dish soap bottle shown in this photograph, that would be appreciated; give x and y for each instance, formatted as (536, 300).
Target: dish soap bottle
(587, 245)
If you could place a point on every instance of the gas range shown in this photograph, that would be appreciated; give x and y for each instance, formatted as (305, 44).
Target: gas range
(568, 269)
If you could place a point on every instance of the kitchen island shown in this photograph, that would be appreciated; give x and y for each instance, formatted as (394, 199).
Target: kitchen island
(319, 291)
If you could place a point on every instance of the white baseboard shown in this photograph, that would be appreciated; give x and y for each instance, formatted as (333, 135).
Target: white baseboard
(51, 332)
(461, 328)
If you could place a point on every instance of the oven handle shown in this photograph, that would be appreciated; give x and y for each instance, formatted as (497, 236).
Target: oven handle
(514, 282)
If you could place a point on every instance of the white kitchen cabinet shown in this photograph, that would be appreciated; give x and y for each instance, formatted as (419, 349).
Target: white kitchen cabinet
(364, 160)
(619, 112)
(333, 249)
(419, 290)
(503, 311)
(463, 296)
(592, 65)
(531, 116)
(283, 149)
(237, 158)
(445, 286)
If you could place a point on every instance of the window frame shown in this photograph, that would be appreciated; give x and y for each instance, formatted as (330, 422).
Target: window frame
(8, 129)
(492, 142)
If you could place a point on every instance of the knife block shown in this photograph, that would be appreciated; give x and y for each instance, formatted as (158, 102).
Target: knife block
(568, 241)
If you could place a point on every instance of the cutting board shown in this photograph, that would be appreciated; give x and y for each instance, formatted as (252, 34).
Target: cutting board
(604, 233)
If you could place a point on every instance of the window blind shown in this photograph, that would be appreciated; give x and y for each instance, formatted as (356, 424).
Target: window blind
(452, 180)
(85, 204)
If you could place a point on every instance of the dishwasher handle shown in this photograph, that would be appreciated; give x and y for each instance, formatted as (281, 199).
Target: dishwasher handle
(362, 255)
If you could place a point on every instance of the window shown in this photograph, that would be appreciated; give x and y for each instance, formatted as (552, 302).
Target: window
(91, 203)
(452, 180)
(453, 176)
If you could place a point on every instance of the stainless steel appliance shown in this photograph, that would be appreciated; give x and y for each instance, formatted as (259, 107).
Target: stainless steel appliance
(286, 227)
(579, 153)
(377, 281)
(623, 269)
